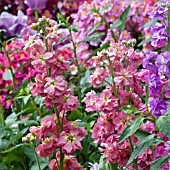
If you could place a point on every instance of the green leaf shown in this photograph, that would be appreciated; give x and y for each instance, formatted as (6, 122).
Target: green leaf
(129, 109)
(75, 115)
(131, 128)
(157, 164)
(74, 28)
(116, 24)
(15, 147)
(163, 124)
(141, 134)
(27, 122)
(144, 144)
(22, 66)
(7, 75)
(144, 41)
(106, 45)
(150, 23)
(2, 66)
(94, 28)
(103, 165)
(123, 18)
(105, 8)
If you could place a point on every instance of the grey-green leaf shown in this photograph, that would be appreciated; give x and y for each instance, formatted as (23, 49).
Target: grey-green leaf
(145, 143)
(163, 123)
(157, 164)
(94, 28)
(131, 128)
(150, 23)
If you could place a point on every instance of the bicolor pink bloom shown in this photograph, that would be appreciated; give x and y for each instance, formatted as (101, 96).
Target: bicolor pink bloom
(107, 102)
(91, 100)
(47, 147)
(66, 102)
(70, 142)
(97, 77)
(55, 86)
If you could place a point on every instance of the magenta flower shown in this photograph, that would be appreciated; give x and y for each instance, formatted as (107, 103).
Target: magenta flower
(36, 4)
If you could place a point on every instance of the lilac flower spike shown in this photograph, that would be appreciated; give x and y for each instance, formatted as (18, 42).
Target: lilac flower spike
(36, 4)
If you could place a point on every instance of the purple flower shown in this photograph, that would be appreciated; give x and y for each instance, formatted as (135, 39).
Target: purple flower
(163, 63)
(159, 35)
(149, 62)
(155, 85)
(158, 107)
(14, 25)
(94, 166)
(160, 13)
(167, 91)
(36, 4)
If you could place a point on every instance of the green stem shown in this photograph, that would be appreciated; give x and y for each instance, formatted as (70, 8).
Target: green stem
(108, 26)
(13, 77)
(168, 46)
(37, 159)
(114, 85)
(36, 15)
(147, 97)
(2, 121)
(37, 108)
(78, 67)
(135, 161)
(60, 129)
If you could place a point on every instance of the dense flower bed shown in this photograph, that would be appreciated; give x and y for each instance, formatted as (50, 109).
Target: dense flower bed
(85, 85)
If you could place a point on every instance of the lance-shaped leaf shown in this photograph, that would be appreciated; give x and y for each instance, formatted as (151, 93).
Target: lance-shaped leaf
(157, 164)
(145, 144)
(131, 128)
(163, 123)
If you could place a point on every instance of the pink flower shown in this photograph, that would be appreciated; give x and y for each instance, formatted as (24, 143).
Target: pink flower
(66, 102)
(48, 127)
(97, 77)
(47, 147)
(70, 142)
(55, 86)
(70, 163)
(91, 100)
(107, 102)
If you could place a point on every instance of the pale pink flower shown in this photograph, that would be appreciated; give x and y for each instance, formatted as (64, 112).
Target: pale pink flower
(97, 77)
(107, 102)
(91, 100)
(55, 86)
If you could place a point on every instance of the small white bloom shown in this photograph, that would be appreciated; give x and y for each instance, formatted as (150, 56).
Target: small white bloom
(73, 70)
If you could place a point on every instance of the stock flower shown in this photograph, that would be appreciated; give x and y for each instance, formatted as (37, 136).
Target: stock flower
(107, 101)
(36, 4)
(54, 86)
(97, 77)
(158, 107)
(91, 101)
(70, 142)
(47, 147)
(159, 35)
(163, 63)
(70, 163)
(15, 25)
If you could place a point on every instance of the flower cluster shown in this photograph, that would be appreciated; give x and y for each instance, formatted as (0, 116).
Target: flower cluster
(55, 131)
(158, 65)
(121, 64)
(16, 59)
